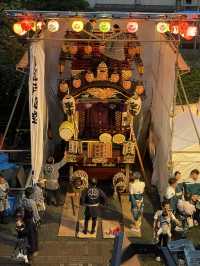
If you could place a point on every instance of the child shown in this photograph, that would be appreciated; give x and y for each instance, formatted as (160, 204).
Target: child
(22, 243)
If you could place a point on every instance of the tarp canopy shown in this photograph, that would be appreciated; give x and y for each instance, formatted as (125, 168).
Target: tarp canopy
(185, 143)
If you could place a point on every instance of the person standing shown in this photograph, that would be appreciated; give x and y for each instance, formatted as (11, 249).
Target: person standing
(38, 197)
(179, 186)
(170, 193)
(92, 198)
(192, 184)
(29, 204)
(4, 189)
(51, 174)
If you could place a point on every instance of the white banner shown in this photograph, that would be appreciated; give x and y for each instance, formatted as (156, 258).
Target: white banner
(37, 107)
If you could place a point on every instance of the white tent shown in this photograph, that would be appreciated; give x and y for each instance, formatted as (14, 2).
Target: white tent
(185, 143)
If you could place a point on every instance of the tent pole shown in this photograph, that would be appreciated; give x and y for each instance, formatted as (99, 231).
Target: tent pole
(13, 110)
(189, 108)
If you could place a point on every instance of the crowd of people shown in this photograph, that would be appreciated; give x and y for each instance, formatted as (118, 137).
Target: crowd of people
(180, 206)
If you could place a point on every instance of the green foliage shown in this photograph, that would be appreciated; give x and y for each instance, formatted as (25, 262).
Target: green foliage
(191, 82)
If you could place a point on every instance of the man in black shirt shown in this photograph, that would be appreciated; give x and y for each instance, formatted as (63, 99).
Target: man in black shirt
(91, 198)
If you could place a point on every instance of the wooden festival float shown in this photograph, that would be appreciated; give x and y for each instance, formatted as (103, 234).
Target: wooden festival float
(100, 101)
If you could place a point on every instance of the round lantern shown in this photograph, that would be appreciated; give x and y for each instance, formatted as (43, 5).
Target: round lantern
(76, 83)
(27, 24)
(127, 74)
(126, 84)
(192, 31)
(132, 51)
(102, 48)
(89, 76)
(73, 49)
(139, 89)
(104, 26)
(174, 27)
(77, 25)
(162, 27)
(66, 130)
(63, 87)
(183, 26)
(88, 49)
(132, 26)
(17, 28)
(53, 25)
(114, 77)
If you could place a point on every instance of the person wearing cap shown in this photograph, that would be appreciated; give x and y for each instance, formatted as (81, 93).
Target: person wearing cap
(4, 189)
(91, 198)
(51, 174)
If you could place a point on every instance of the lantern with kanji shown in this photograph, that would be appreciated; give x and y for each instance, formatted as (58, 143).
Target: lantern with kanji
(114, 77)
(89, 76)
(88, 49)
(140, 68)
(126, 84)
(139, 89)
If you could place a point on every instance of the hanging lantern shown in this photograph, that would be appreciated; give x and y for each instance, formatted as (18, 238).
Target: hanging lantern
(76, 83)
(162, 27)
(139, 89)
(102, 48)
(27, 24)
(63, 87)
(174, 27)
(183, 26)
(126, 84)
(88, 49)
(40, 25)
(192, 31)
(104, 26)
(114, 77)
(77, 25)
(73, 49)
(61, 66)
(140, 69)
(127, 74)
(89, 76)
(132, 26)
(132, 51)
(53, 25)
(17, 28)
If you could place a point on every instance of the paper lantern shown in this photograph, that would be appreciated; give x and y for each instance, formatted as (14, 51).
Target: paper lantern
(17, 28)
(183, 26)
(73, 49)
(88, 49)
(127, 74)
(162, 27)
(27, 24)
(104, 26)
(140, 69)
(77, 25)
(53, 25)
(174, 27)
(132, 26)
(76, 83)
(102, 48)
(192, 31)
(131, 51)
(114, 77)
(139, 89)
(89, 76)
(126, 84)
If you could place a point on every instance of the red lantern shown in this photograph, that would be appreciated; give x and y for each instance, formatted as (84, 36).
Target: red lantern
(27, 24)
(183, 26)
(174, 27)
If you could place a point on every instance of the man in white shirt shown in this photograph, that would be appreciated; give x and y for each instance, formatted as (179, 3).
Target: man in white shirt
(170, 193)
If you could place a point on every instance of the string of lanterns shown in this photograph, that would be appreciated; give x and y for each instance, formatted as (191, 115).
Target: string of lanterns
(183, 28)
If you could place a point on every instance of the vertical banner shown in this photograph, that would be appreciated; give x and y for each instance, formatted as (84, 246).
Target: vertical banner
(37, 107)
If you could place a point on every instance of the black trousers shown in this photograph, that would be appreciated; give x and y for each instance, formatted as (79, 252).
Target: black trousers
(53, 196)
(90, 212)
(163, 240)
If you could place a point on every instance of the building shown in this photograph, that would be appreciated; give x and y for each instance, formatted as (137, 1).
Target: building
(134, 5)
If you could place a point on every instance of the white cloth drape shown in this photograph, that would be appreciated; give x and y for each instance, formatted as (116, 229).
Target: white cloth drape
(37, 107)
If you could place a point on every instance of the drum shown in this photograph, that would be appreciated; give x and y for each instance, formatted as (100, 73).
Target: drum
(105, 137)
(119, 138)
(66, 130)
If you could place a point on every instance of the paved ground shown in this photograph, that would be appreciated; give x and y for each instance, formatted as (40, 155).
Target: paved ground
(61, 251)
